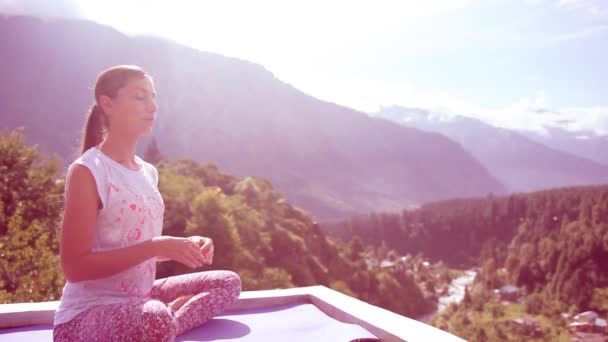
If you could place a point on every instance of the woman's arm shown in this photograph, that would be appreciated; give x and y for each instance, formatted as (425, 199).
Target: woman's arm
(78, 227)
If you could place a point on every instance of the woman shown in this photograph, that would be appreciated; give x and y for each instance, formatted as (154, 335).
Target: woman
(111, 232)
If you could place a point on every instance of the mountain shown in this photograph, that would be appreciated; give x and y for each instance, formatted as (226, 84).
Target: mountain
(586, 144)
(330, 160)
(520, 163)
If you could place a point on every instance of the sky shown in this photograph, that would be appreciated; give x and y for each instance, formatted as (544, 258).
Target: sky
(521, 64)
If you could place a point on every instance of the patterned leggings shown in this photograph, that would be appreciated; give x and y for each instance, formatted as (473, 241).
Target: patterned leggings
(150, 319)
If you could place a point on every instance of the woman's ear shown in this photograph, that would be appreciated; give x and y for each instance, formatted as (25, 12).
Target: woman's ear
(106, 104)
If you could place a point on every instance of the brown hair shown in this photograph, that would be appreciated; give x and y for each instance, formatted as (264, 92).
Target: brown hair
(108, 83)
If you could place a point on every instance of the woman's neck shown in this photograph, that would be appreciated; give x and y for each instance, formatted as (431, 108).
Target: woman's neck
(121, 150)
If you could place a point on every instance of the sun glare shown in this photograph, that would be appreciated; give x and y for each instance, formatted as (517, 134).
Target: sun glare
(263, 31)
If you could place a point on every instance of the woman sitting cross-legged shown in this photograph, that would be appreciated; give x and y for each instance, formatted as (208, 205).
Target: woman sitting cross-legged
(111, 232)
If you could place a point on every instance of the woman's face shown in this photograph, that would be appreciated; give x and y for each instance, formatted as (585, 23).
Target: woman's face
(132, 111)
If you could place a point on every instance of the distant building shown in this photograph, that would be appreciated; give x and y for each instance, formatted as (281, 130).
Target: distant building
(588, 322)
(510, 293)
(586, 317)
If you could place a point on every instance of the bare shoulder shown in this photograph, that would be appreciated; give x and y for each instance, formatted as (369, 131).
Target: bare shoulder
(80, 185)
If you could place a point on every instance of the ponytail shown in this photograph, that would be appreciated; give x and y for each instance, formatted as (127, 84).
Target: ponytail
(94, 128)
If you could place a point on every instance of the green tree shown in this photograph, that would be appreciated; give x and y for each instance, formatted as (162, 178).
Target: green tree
(30, 207)
(211, 217)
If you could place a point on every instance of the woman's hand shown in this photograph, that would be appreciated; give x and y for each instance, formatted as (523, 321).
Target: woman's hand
(205, 246)
(184, 250)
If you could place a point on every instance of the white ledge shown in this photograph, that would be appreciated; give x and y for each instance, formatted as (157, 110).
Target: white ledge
(386, 325)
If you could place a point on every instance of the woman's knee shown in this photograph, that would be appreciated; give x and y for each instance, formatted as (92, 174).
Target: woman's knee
(233, 284)
(155, 310)
(158, 323)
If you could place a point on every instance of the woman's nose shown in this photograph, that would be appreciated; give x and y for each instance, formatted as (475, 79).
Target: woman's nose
(152, 106)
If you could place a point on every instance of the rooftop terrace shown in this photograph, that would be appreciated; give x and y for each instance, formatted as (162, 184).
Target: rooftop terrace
(298, 314)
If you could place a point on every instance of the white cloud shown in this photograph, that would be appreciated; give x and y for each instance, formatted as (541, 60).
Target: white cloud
(528, 113)
(531, 113)
(591, 118)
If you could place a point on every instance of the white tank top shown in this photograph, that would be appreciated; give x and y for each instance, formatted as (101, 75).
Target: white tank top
(132, 212)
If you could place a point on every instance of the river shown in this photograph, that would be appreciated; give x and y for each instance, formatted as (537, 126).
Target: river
(455, 294)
